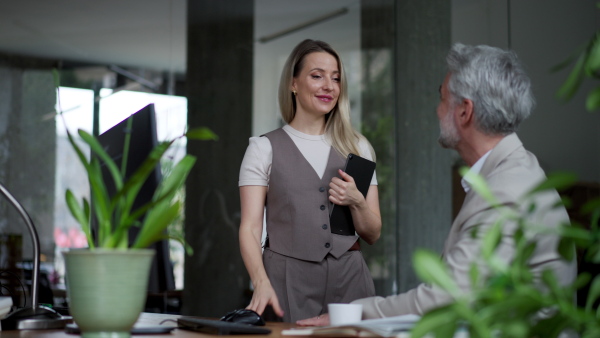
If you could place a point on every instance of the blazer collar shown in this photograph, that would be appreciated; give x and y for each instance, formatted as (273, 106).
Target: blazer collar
(505, 147)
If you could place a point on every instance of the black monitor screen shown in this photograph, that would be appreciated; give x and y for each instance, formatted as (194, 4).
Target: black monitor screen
(143, 140)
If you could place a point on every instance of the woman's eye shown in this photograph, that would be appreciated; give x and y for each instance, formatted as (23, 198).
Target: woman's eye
(316, 76)
(336, 79)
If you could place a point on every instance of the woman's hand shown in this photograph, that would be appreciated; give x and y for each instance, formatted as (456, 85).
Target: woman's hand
(343, 191)
(263, 296)
(365, 211)
(322, 320)
(252, 200)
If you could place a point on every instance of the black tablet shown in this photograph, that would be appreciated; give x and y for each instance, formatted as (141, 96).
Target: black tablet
(361, 170)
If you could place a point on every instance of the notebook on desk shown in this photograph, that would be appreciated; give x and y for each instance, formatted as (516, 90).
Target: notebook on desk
(218, 327)
(361, 170)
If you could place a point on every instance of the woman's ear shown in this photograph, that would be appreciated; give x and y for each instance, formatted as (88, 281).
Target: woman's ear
(293, 86)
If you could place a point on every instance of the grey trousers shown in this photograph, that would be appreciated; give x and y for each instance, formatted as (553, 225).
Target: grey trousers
(305, 288)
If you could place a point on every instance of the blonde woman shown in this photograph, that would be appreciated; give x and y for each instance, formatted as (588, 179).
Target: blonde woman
(296, 173)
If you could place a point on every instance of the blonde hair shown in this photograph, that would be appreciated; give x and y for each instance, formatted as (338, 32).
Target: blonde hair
(343, 137)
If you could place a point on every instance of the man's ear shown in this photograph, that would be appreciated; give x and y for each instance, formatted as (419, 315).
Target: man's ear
(465, 114)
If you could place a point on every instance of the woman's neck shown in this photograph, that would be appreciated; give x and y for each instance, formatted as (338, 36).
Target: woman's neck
(309, 126)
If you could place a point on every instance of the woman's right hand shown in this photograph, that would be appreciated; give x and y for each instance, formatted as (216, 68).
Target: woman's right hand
(252, 200)
(264, 295)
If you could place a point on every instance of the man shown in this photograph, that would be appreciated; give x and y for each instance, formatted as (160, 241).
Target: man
(483, 99)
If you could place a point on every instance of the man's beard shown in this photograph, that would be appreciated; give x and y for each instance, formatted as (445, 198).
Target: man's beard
(449, 137)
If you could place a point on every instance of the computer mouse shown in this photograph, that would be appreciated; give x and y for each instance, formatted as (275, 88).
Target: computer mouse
(244, 316)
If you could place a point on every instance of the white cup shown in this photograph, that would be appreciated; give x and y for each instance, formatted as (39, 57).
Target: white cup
(341, 314)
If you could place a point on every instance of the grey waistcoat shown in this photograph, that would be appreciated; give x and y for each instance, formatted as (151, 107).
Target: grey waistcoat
(298, 204)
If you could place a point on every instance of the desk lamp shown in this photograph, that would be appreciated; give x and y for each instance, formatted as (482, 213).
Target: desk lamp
(34, 316)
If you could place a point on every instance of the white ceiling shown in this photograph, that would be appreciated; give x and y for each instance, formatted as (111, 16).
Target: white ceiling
(128, 33)
(147, 34)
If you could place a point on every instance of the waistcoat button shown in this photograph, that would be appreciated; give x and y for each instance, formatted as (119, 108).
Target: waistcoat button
(321, 189)
(327, 245)
(324, 226)
(322, 207)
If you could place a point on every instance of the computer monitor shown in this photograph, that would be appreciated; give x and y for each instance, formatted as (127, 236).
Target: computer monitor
(143, 140)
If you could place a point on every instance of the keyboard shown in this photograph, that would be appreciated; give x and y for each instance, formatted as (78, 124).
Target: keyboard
(218, 327)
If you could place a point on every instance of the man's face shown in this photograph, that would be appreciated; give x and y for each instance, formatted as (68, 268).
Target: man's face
(449, 136)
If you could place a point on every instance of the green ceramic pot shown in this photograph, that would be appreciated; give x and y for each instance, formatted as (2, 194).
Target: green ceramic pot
(107, 289)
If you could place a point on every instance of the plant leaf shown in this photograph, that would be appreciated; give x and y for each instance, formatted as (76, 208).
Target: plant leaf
(593, 293)
(201, 133)
(479, 185)
(180, 238)
(551, 327)
(126, 196)
(590, 206)
(557, 180)
(574, 80)
(566, 248)
(97, 149)
(579, 235)
(593, 100)
(574, 55)
(582, 280)
(491, 240)
(438, 321)
(431, 269)
(80, 214)
(474, 274)
(102, 209)
(56, 77)
(593, 52)
(177, 177)
(168, 187)
(156, 224)
(153, 225)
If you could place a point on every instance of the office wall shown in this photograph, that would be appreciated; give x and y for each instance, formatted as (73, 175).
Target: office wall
(564, 136)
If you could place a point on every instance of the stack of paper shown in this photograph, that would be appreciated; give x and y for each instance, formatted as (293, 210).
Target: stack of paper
(383, 327)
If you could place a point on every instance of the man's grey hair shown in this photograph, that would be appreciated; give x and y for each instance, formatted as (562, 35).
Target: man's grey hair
(495, 81)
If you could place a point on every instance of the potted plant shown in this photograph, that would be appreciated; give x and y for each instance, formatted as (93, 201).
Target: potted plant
(107, 282)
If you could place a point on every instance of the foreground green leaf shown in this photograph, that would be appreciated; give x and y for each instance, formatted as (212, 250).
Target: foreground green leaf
(555, 181)
(201, 133)
(431, 269)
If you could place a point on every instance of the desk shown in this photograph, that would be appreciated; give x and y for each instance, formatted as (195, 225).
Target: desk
(146, 318)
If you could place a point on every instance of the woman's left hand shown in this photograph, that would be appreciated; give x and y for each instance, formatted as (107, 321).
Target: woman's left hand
(365, 211)
(343, 191)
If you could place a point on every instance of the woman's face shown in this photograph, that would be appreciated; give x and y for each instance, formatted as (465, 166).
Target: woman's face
(317, 85)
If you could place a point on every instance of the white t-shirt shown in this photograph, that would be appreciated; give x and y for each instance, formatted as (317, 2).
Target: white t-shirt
(256, 165)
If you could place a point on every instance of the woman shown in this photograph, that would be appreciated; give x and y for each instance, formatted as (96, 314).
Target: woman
(293, 171)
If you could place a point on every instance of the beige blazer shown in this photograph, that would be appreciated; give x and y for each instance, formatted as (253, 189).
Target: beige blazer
(510, 171)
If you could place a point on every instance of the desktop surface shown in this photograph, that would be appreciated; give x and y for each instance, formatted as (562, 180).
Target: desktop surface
(149, 319)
